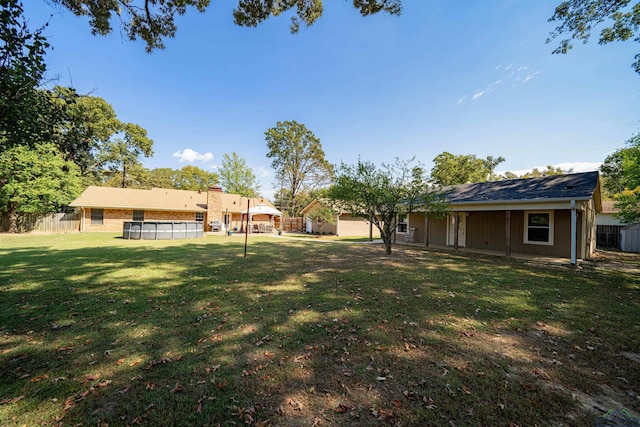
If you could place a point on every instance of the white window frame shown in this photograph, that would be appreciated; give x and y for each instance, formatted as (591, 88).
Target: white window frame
(404, 223)
(526, 228)
(201, 215)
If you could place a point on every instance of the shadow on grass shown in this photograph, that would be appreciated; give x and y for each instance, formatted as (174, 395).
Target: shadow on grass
(183, 333)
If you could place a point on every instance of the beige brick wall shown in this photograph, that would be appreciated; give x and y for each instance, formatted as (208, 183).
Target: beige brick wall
(113, 219)
(214, 206)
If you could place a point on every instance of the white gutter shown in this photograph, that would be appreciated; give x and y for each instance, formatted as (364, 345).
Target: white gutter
(518, 201)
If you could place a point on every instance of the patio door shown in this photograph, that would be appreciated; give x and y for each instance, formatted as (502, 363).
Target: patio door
(462, 229)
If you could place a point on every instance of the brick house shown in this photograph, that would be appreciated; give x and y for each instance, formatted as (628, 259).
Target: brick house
(107, 208)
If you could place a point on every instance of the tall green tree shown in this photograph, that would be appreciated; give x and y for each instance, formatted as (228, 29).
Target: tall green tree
(451, 169)
(298, 160)
(236, 177)
(161, 178)
(578, 19)
(36, 179)
(123, 152)
(621, 179)
(385, 195)
(154, 20)
(194, 178)
(27, 114)
(89, 124)
(548, 171)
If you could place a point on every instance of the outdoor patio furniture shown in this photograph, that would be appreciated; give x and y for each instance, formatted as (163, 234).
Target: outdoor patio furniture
(408, 237)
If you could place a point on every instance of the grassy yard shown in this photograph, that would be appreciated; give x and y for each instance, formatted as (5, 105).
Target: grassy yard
(95, 330)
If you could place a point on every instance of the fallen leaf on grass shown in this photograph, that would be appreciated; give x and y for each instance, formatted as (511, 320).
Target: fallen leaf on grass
(150, 385)
(178, 388)
(102, 423)
(396, 403)
(12, 400)
(135, 362)
(342, 408)
(125, 389)
(70, 402)
(296, 405)
(41, 377)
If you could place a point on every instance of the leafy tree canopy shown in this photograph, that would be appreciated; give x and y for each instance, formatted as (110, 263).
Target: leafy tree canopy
(621, 179)
(154, 20)
(123, 151)
(238, 178)
(27, 114)
(298, 160)
(578, 19)
(36, 179)
(451, 169)
(385, 195)
(194, 178)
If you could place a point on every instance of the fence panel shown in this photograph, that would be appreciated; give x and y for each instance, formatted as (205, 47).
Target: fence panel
(44, 223)
(292, 224)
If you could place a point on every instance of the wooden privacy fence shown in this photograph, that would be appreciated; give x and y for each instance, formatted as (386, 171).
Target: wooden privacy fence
(292, 224)
(44, 223)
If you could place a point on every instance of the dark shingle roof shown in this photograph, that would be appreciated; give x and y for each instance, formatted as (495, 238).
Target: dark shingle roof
(570, 186)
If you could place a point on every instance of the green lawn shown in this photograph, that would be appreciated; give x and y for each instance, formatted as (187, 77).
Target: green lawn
(95, 330)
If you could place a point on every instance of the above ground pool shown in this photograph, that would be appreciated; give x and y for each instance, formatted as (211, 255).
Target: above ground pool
(162, 230)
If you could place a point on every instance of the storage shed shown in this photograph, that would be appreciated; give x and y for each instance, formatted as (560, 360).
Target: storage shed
(630, 238)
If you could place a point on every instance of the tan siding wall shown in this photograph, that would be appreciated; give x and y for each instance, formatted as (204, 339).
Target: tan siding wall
(356, 226)
(326, 229)
(437, 231)
(114, 218)
(486, 230)
(415, 220)
(561, 235)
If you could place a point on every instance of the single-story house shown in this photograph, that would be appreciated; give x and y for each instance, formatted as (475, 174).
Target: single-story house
(345, 224)
(107, 208)
(552, 216)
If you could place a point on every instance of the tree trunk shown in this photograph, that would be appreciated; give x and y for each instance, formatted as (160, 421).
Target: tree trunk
(13, 218)
(386, 238)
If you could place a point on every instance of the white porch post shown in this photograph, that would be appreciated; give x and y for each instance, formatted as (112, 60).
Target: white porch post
(574, 233)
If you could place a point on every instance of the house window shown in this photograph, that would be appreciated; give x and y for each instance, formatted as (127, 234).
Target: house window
(200, 216)
(97, 216)
(538, 228)
(138, 215)
(402, 227)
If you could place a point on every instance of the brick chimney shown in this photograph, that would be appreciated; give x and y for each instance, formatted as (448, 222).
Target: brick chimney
(214, 204)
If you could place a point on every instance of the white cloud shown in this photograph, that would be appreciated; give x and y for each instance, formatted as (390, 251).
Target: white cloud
(515, 75)
(580, 166)
(189, 155)
(576, 166)
(263, 172)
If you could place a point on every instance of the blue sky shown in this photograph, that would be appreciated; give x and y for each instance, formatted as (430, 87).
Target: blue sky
(458, 76)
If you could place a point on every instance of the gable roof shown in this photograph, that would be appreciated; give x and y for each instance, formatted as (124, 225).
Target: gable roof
(161, 199)
(575, 186)
(236, 203)
(609, 207)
